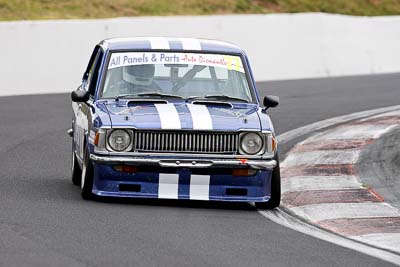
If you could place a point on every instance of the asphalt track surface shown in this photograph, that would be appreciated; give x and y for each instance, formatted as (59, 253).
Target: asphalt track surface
(44, 221)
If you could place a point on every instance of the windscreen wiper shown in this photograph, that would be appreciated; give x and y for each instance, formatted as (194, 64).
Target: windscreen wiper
(117, 97)
(152, 94)
(218, 97)
(157, 94)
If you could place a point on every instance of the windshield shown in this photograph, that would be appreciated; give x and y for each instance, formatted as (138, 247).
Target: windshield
(176, 75)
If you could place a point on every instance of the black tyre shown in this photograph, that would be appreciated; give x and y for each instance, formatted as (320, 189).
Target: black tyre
(275, 199)
(87, 177)
(76, 171)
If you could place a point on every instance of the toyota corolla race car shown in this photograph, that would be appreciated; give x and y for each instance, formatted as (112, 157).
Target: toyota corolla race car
(173, 118)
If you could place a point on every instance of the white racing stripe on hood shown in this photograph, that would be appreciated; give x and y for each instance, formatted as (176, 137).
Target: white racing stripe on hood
(159, 43)
(169, 116)
(201, 117)
(190, 44)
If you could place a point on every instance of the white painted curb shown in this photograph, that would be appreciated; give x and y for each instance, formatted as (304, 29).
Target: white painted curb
(382, 245)
(50, 56)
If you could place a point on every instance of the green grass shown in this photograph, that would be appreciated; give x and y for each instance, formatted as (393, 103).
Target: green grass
(62, 9)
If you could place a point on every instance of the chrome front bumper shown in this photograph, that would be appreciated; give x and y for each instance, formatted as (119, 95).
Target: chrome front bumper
(186, 163)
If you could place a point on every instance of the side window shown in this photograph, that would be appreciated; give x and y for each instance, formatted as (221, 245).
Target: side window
(91, 74)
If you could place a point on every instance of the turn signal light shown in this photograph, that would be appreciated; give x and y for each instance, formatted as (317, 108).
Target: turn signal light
(273, 144)
(96, 139)
(244, 172)
(125, 168)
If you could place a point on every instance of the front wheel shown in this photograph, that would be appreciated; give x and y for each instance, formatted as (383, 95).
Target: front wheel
(275, 199)
(87, 177)
(76, 172)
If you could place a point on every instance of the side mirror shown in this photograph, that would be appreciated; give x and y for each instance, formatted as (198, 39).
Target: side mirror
(80, 96)
(271, 101)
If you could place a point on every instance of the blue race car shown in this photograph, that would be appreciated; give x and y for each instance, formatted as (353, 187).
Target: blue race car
(173, 118)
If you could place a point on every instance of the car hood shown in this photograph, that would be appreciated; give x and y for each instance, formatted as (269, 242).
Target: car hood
(185, 116)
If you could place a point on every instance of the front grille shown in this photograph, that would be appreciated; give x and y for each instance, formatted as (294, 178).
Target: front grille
(196, 142)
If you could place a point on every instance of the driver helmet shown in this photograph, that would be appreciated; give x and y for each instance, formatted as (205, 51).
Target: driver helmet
(139, 74)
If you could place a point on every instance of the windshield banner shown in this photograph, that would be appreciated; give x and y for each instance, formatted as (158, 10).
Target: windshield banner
(140, 58)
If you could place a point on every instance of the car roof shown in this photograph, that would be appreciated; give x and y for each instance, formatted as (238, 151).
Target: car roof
(170, 43)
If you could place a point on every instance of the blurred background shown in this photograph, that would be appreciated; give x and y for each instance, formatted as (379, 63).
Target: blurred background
(283, 41)
(75, 9)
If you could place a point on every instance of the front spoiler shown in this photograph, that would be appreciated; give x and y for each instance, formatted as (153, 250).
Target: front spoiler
(186, 163)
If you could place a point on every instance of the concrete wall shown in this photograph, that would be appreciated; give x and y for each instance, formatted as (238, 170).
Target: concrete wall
(50, 56)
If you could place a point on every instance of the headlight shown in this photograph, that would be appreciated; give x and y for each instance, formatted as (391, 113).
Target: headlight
(251, 143)
(119, 140)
